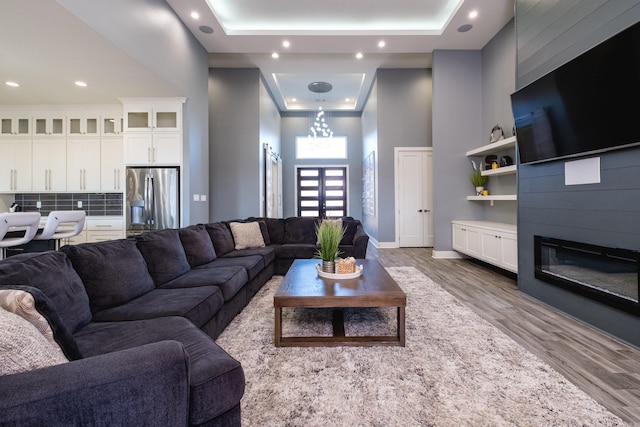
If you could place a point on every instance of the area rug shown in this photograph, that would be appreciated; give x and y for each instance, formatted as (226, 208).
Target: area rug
(456, 369)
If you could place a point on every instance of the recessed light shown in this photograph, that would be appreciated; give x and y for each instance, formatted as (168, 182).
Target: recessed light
(286, 43)
(195, 15)
(294, 99)
(347, 99)
(81, 84)
(275, 55)
(12, 84)
(473, 14)
(359, 55)
(382, 43)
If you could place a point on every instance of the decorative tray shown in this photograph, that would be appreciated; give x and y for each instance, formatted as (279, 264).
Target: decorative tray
(321, 273)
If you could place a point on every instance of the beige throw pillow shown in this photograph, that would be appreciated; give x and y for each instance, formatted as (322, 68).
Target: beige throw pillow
(23, 347)
(247, 235)
(22, 303)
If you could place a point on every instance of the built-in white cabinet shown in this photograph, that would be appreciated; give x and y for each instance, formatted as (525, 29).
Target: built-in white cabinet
(83, 164)
(15, 164)
(112, 124)
(83, 124)
(99, 230)
(491, 242)
(49, 124)
(49, 164)
(152, 131)
(111, 165)
(14, 124)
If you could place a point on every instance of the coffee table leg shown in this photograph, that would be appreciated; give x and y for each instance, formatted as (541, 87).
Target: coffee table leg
(338, 322)
(278, 326)
(401, 323)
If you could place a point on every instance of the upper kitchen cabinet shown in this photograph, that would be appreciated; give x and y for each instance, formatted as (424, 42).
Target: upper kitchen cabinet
(112, 124)
(14, 124)
(49, 124)
(152, 114)
(83, 124)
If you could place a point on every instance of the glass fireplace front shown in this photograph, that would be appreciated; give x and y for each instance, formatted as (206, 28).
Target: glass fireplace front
(608, 275)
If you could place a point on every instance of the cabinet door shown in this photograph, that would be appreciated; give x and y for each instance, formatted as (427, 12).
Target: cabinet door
(167, 118)
(48, 124)
(49, 165)
(22, 150)
(111, 165)
(138, 118)
(459, 238)
(83, 125)
(167, 149)
(474, 242)
(83, 164)
(7, 165)
(138, 149)
(112, 124)
(510, 252)
(15, 124)
(491, 247)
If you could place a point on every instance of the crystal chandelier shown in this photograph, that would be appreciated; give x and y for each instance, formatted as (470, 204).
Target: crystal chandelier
(320, 127)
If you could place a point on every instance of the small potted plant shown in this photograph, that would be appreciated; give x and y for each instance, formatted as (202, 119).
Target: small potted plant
(478, 180)
(329, 234)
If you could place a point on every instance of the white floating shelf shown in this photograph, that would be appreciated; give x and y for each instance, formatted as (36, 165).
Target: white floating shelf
(503, 144)
(491, 198)
(504, 170)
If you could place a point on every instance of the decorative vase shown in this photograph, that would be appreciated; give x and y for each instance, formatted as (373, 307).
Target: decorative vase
(329, 266)
(479, 191)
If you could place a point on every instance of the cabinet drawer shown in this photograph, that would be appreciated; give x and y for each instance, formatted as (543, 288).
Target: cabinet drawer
(103, 236)
(104, 225)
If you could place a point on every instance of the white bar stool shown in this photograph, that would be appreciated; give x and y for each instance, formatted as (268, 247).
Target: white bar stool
(30, 221)
(57, 218)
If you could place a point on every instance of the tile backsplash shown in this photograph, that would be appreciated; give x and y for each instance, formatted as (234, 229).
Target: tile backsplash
(95, 204)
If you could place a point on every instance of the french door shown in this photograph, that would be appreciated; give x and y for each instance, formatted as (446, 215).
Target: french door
(321, 191)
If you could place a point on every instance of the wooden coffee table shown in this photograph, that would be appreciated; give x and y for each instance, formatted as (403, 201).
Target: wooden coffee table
(302, 287)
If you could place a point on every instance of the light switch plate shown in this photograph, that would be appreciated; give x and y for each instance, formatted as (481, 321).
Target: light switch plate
(203, 197)
(196, 197)
(38, 204)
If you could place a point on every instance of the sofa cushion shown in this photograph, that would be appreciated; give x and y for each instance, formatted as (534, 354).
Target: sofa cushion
(216, 380)
(268, 253)
(23, 347)
(300, 230)
(229, 279)
(247, 235)
(196, 304)
(113, 272)
(254, 264)
(350, 227)
(305, 251)
(197, 245)
(52, 273)
(221, 237)
(164, 254)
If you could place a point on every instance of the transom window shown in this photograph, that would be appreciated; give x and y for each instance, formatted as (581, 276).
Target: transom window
(321, 148)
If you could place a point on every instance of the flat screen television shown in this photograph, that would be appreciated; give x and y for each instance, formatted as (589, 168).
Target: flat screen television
(590, 104)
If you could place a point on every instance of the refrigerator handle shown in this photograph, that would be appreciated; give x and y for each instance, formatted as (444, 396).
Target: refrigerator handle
(152, 200)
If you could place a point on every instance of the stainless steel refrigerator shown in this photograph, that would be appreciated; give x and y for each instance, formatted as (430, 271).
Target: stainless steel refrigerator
(153, 199)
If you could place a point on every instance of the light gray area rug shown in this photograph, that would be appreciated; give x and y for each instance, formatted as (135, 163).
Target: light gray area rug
(456, 369)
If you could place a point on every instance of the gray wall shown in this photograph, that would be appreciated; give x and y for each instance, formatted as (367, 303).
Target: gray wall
(235, 147)
(607, 214)
(270, 123)
(173, 54)
(294, 125)
(369, 144)
(402, 115)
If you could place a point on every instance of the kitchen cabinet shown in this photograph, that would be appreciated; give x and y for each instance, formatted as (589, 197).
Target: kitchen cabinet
(49, 124)
(150, 149)
(14, 124)
(491, 242)
(156, 116)
(112, 124)
(15, 164)
(83, 124)
(83, 164)
(49, 164)
(100, 230)
(111, 165)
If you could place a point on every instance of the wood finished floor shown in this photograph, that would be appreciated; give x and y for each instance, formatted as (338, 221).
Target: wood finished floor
(603, 367)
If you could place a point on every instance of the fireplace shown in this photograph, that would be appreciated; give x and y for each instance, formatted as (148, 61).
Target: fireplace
(608, 275)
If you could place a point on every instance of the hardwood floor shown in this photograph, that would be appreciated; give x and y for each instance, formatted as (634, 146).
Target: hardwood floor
(604, 367)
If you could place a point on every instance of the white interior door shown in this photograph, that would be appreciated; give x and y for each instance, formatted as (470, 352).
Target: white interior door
(414, 197)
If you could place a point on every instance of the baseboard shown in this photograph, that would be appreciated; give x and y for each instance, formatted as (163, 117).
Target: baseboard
(447, 255)
(387, 245)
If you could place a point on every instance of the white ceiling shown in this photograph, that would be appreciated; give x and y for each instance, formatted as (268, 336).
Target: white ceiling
(41, 42)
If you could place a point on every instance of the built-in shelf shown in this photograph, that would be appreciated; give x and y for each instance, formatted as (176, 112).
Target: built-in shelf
(493, 198)
(503, 170)
(503, 144)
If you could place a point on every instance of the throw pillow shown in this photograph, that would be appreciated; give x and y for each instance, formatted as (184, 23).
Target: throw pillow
(197, 245)
(247, 235)
(23, 347)
(22, 303)
(17, 298)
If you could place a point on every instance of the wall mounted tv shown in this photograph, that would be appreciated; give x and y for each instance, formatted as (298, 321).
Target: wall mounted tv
(590, 104)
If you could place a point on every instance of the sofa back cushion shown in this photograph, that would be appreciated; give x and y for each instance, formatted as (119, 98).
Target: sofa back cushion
(164, 254)
(52, 273)
(300, 230)
(113, 272)
(197, 245)
(350, 227)
(221, 237)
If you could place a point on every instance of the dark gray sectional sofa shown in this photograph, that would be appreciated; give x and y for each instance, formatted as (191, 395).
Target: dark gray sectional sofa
(137, 319)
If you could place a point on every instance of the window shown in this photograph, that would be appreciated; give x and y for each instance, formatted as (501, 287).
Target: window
(321, 148)
(322, 191)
